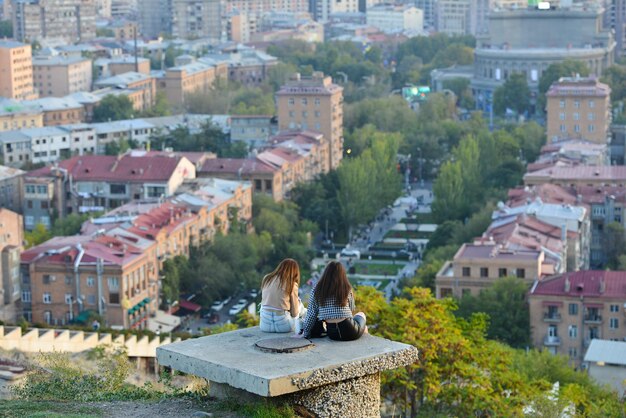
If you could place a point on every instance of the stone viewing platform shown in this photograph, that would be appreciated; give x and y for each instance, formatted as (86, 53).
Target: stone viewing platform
(327, 378)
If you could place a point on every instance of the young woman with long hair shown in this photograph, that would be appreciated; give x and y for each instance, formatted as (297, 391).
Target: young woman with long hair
(331, 305)
(280, 304)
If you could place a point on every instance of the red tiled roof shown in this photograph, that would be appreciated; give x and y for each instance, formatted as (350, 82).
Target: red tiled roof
(548, 193)
(235, 166)
(596, 173)
(110, 168)
(584, 283)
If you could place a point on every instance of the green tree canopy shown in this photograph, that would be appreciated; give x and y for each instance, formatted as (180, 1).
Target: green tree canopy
(514, 94)
(112, 108)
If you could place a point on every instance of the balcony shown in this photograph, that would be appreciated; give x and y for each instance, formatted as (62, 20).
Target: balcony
(551, 341)
(592, 319)
(551, 317)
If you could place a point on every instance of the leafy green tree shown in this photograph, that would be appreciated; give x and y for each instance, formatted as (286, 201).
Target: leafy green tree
(161, 107)
(71, 224)
(112, 108)
(120, 147)
(615, 77)
(449, 202)
(170, 287)
(613, 244)
(278, 74)
(38, 235)
(514, 94)
(505, 304)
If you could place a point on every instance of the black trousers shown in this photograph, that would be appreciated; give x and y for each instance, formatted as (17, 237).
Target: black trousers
(349, 329)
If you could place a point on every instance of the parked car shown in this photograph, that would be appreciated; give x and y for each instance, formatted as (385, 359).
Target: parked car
(254, 293)
(242, 302)
(346, 252)
(236, 309)
(227, 300)
(217, 305)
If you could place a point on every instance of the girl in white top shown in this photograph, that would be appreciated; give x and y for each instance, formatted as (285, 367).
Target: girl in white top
(280, 304)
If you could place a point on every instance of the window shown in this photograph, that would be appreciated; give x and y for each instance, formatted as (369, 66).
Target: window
(47, 279)
(613, 323)
(68, 280)
(591, 128)
(91, 299)
(114, 298)
(47, 317)
(44, 204)
(562, 116)
(26, 296)
(445, 292)
(47, 298)
(68, 298)
(156, 191)
(573, 331)
(591, 116)
(41, 189)
(576, 116)
(305, 114)
(576, 128)
(91, 281)
(614, 308)
(576, 104)
(304, 101)
(562, 128)
(521, 273)
(573, 309)
(502, 272)
(562, 104)
(484, 272)
(118, 188)
(573, 352)
(114, 283)
(466, 271)
(292, 101)
(592, 103)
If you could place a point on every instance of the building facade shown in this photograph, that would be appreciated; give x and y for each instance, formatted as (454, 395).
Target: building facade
(58, 21)
(395, 18)
(579, 108)
(192, 78)
(11, 188)
(196, 19)
(315, 104)
(16, 71)
(567, 311)
(11, 246)
(59, 76)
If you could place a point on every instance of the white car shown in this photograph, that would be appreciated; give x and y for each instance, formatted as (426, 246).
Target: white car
(217, 305)
(242, 301)
(346, 252)
(236, 309)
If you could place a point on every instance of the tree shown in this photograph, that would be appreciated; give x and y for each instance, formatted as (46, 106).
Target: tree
(161, 107)
(38, 235)
(613, 244)
(567, 68)
(6, 29)
(170, 287)
(71, 224)
(615, 77)
(449, 202)
(514, 94)
(112, 108)
(505, 304)
(119, 147)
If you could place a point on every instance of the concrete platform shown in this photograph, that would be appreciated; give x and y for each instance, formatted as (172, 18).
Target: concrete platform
(232, 359)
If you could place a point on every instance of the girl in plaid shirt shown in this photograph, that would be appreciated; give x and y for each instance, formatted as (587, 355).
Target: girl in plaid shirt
(330, 306)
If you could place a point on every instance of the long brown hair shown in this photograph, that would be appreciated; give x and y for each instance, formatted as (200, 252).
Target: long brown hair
(288, 272)
(333, 284)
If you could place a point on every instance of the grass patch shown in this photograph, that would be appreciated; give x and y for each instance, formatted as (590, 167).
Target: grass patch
(43, 409)
(257, 409)
(378, 269)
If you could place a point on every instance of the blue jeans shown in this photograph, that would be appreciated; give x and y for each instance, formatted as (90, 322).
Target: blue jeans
(276, 321)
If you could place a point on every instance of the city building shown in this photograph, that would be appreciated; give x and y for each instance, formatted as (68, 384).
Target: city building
(259, 7)
(579, 108)
(606, 363)
(429, 8)
(528, 41)
(59, 76)
(11, 188)
(264, 178)
(191, 78)
(254, 130)
(109, 67)
(313, 104)
(124, 30)
(16, 71)
(323, 9)
(58, 110)
(93, 183)
(597, 176)
(569, 310)
(477, 266)
(141, 88)
(196, 19)
(390, 18)
(570, 152)
(154, 18)
(247, 66)
(54, 21)
(452, 16)
(11, 246)
(14, 115)
(66, 278)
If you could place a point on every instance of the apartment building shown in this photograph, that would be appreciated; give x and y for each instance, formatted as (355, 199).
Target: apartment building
(263, 177)
(47, 145)
(16, 71)
(246, 66)
(11, 188)
(196, 19)
(59, 76)
(68, 277)
(477, 266)
(154, 18)
(109, 67)
(143, 86)
(579, 108)
(569, 310)
(58, 110)
(452, 16)
(313, 104)
(14, 115)
(390, 18)
(570, 152)
(254, 130)
(323, 9)
(11, 246)
(99, 182)
(312, 146)
(56, 21)
(194, 77)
